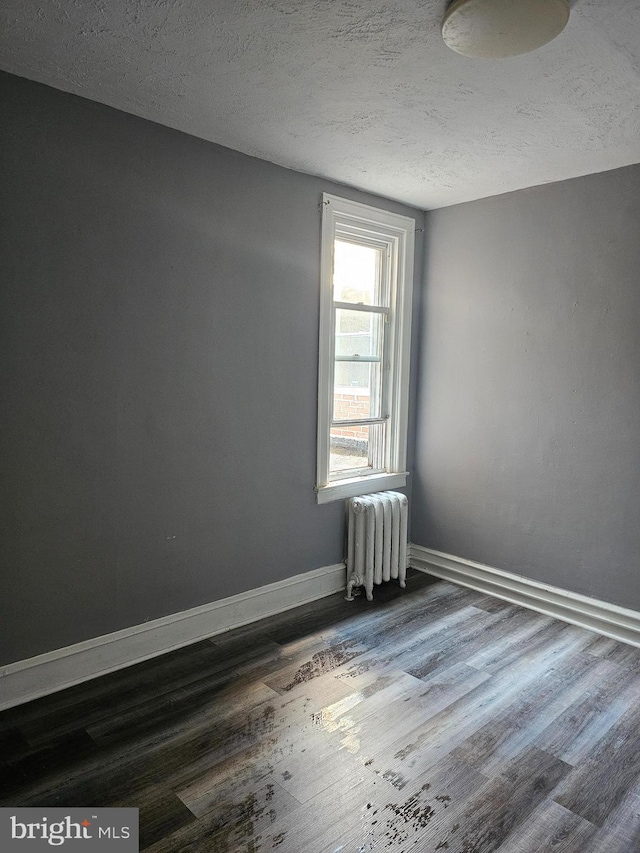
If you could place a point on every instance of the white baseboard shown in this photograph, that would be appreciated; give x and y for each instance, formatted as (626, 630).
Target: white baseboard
(599, 616)
(29, 679)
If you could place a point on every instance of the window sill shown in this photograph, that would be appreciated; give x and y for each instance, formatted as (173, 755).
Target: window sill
(360, 486)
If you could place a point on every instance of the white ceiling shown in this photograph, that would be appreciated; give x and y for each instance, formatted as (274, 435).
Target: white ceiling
(360, 91)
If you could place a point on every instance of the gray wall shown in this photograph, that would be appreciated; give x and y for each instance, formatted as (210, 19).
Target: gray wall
(528, 432)
(159, 336)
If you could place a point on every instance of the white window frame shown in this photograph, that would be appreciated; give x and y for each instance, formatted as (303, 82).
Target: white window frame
(341, 217)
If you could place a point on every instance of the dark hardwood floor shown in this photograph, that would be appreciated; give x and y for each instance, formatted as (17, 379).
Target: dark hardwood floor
(432, 719)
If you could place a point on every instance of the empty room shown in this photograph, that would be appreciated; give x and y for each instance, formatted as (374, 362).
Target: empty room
(320, 357)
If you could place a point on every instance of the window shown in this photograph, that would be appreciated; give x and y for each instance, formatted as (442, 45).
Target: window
(365, 325)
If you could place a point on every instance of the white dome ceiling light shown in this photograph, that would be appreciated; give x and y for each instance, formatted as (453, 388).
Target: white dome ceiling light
(494, 29)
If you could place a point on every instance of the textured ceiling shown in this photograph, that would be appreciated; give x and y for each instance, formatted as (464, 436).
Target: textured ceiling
(360, 91)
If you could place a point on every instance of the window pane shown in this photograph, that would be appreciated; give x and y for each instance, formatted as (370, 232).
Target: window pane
(356, 448)
(357, 389)
(358, 333)
(357, 273)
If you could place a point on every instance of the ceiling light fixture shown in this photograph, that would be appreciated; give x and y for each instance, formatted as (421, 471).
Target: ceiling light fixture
(494, 29)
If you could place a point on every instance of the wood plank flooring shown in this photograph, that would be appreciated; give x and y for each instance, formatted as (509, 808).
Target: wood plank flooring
(432, 719)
